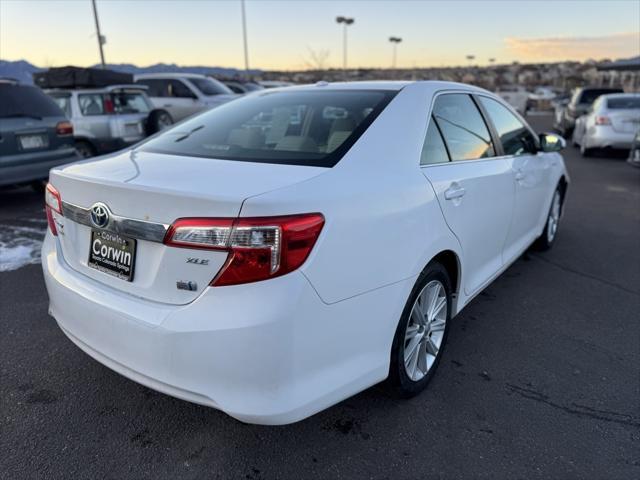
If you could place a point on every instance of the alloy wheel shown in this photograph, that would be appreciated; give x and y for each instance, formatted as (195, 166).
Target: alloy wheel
(425, 330)
(554, 217)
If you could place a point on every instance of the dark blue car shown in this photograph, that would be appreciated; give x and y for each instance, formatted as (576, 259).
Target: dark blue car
(34, 135)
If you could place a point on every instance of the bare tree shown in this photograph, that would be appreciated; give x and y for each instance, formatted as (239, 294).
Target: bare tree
(317, 59)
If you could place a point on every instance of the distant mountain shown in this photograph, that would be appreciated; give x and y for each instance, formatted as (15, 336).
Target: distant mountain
(22, 70)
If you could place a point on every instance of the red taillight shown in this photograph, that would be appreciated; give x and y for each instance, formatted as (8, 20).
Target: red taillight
(53, 203)
(64, 128)
(259, 248)
(107, 105)
(602, 120)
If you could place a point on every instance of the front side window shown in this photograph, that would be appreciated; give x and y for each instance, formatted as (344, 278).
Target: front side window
(515, 137)
(91, 104)
(296, 127)
(433, 150)
(464, 131)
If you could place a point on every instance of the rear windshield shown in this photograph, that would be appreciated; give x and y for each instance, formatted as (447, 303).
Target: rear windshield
(590, 95)
(314, 128)
(130, 102)
(623, 103)
(208, 86)
(25, 100)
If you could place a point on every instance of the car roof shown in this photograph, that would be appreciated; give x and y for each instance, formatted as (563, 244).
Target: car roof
(109, 88)
(382, 85)
(169, 75)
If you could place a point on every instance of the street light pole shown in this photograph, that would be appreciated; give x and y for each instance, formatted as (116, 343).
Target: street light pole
(244, 36)
(346, 21)
(395, 41)
(101, 40)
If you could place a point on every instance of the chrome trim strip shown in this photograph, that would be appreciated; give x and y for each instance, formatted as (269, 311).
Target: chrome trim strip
(129, 227)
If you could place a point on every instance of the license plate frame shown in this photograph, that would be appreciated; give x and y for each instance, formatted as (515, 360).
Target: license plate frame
(113, 254)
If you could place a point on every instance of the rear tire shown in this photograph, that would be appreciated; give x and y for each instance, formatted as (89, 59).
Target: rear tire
(584, 151)
(422, 333)
(158, 120)
(84, 149)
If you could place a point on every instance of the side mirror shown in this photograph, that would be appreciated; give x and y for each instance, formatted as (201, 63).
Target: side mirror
(550, 142)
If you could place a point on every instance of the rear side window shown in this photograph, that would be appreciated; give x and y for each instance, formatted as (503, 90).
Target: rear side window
(433, 150)
(465, 133)
(157, 88)
(515, 137)
(306, 127)
(91, 104)
(25, 100)
(623, 103)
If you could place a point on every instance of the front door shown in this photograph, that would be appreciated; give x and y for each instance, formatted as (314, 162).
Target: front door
(475, 190)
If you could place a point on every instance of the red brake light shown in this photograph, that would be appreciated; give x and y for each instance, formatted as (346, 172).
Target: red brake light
(64, 128)
(53, 203)
(259, 248)
(107, 105)
(602, 120)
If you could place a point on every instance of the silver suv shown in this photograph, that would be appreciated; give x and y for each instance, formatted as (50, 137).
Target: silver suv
(107, 119)
(184, 94)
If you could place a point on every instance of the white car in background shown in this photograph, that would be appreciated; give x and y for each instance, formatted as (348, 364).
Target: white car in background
(611, 122)
(184, 94)
(514, 95)
(287, 250)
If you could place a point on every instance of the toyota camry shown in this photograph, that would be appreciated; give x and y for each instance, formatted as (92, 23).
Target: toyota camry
(280, 253)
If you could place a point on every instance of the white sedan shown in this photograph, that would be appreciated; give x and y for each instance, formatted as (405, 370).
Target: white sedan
(287, 250)
(612, 122)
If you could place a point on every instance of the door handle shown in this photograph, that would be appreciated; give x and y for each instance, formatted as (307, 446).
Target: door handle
(519, 175)
(454, 191)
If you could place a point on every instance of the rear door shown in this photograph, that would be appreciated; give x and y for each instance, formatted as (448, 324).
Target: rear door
(530, 171)
(173, 96)
(474, 189)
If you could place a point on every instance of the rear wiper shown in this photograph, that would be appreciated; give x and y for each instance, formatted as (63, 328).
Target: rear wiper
(19, 115)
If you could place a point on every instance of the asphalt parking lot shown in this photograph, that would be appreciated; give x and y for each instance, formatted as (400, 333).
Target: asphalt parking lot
(540, 378)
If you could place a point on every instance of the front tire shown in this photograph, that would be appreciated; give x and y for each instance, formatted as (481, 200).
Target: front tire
(422, 332)
(548, 237)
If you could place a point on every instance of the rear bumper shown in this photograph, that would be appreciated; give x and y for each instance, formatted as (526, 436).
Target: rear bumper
(607, 137)
(270, 352)
(36, 167)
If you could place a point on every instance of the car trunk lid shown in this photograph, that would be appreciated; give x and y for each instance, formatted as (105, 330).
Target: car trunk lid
(625, 121)
(147, 192)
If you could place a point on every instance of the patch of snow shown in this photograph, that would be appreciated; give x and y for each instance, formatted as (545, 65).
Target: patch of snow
(19, 246)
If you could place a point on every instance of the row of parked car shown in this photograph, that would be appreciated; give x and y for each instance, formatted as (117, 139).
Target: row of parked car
(596, 119)
(77, 112)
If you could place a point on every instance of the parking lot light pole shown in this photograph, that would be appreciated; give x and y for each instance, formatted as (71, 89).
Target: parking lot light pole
(101, 40)
(395, 41)
(244, 36)
(345, 21)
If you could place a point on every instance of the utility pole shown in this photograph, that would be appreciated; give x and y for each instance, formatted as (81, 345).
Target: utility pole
(345, 21)
(101, 40)
(244, 36)
(395, 41)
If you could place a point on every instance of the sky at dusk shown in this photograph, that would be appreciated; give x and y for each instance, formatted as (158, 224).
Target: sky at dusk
(281, 34)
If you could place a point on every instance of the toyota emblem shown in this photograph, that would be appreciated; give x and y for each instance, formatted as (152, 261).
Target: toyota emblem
(100, 215)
